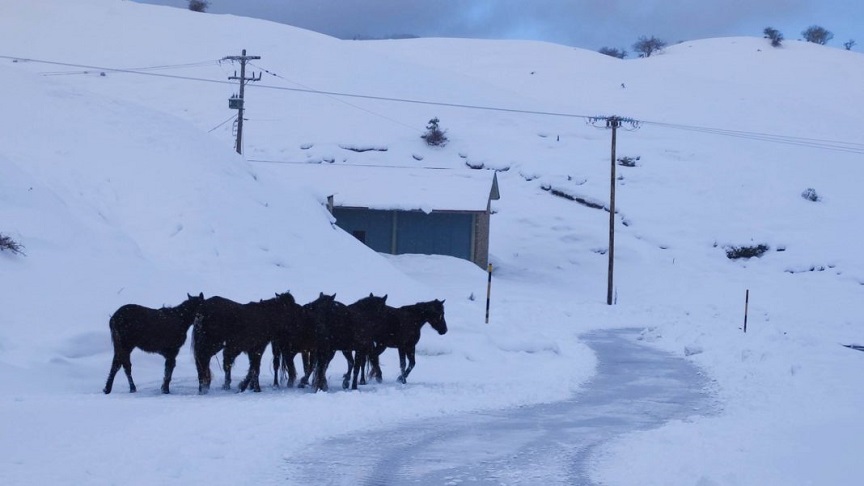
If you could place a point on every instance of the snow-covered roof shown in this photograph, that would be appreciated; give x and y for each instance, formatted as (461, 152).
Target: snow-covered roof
(408, 189)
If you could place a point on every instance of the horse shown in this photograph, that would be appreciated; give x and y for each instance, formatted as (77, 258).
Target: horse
(338, 327)
(293, 335)
(160, 331)
(401, 330)
(237, 328)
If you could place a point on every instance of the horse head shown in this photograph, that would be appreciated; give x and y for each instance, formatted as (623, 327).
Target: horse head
(190, 306)
(436, 316)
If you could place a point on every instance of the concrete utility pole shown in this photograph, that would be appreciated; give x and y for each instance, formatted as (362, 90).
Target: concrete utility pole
(236, 102)
(613, 122)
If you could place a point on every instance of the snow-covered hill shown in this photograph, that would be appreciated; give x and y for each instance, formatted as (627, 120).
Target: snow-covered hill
(120, 182)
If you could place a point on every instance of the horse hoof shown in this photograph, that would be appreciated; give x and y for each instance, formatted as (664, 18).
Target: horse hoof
(345, 385)
(165, 391)
(401, 379)
(226, 387)
(106, 390)
(132, 389)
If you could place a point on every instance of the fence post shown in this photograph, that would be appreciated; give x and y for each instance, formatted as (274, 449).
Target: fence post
(488, 292)
(746, 305)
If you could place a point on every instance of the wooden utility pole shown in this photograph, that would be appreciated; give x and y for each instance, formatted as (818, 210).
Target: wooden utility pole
(612, 122)
(236, 102)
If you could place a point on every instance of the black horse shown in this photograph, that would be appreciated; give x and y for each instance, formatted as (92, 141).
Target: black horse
(294, 335)
(401, 330)
(338, 327)
(160, 331)
(238, 328)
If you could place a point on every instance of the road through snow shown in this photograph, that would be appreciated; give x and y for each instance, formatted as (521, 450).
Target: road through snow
(636, 388)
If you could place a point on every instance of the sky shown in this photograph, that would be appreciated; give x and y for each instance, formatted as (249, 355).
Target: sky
(125, 188)
(588, 24)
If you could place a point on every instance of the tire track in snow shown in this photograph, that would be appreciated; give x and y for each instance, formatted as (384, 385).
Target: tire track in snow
(636, 388)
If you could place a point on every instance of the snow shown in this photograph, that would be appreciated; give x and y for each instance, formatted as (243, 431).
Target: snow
(407, 188)
(121, 191)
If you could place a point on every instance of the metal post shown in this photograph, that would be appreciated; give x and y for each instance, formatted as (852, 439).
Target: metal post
(488, 292)
(746, 305)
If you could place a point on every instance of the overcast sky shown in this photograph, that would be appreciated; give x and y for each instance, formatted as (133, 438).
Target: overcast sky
(589, 24)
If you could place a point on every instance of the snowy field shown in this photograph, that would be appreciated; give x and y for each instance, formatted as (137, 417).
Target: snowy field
(119, 178)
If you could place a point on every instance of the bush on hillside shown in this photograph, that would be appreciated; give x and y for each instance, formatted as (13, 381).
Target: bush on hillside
(810, 195)
(646, 46)
(774, 35)
(628, 161)
(849, 44)
(10, 245)
(613, 51)
(434, 135)
(736, 252)
(817, 35)
(198, 5)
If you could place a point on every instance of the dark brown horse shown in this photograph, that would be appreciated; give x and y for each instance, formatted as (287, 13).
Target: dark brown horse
(160, 331)
(238, 328)
(401, 330)
(338, 327)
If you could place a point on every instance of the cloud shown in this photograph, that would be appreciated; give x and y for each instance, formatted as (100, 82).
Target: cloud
(583, 23)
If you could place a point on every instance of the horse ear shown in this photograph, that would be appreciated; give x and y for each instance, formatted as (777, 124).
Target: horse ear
(370, 294)
(320, 294)
(201, 295)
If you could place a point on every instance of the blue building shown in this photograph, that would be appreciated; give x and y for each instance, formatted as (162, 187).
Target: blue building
(425, 211)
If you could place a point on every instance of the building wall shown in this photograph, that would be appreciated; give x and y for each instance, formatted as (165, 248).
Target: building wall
(438, 233)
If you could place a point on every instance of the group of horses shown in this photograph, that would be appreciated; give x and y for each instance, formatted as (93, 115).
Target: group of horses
(316, 331)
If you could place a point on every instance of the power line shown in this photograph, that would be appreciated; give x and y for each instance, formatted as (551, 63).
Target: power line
(835, 145)
(341, 101)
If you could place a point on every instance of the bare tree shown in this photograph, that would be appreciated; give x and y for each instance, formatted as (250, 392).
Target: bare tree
(10, 245)
(773, 34)
(646, 46)
(198, 5)
(849, 44)
(817, 35)
(613, 51)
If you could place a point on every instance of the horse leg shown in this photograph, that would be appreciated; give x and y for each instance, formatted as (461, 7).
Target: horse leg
(288, 363)
(359, 363)
(306, 358)
(323, 359)
(254, 371)
(115, 367)
(350, 360)
(376, 366)
(204, 378)
(277, 354)
(228, 357)
(170, 363)
(410, 353)
(126, 361)
(401, 378)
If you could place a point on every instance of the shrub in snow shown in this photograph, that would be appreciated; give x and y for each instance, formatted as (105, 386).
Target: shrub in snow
(774, 35)
(817, 35)
(736, 252)
(10, 245)
(810, 195)
(849, 44)
(613, 51)
(434, 135)
(198, 5)
(628, 161)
